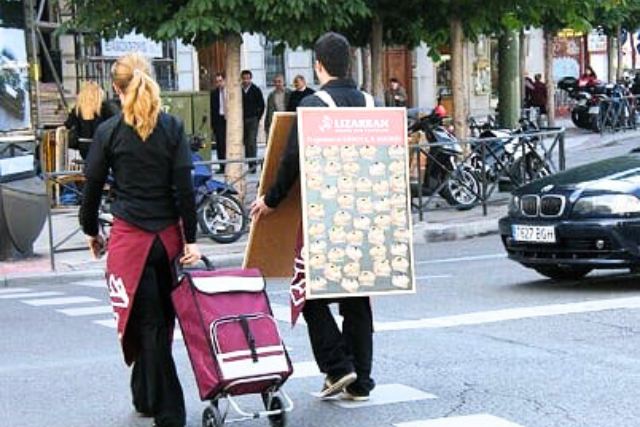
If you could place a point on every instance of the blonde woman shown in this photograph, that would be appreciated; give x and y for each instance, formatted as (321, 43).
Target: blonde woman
(154, 210)
(90, 110)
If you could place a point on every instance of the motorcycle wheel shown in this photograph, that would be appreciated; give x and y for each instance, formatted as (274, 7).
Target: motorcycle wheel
(462, 189)
(222, 218)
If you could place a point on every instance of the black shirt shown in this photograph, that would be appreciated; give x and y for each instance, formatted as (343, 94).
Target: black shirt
(297, 96)
(153, 186)
(85, 129)
(345, 94)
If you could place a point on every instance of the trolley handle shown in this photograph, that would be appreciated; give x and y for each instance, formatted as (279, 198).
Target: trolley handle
(180, 269)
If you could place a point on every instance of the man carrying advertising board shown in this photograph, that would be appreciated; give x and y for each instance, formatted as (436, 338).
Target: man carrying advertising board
(345, 357)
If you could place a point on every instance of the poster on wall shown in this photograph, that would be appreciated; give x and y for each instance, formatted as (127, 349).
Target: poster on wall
(15, 109)
(355, 201)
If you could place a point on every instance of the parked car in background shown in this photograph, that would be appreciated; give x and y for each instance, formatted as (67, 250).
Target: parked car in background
(585, 218)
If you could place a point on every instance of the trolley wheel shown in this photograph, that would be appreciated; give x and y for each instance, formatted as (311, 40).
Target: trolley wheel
(211, 417)
(278, 420)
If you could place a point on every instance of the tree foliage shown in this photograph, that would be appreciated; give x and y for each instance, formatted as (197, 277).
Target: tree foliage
(200, 22)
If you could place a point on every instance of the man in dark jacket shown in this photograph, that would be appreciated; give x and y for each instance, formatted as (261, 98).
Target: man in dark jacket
(252, 110)
(301, 91)
(219, 118)
(345, 357)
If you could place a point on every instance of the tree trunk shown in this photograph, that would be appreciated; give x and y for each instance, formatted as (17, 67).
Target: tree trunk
(548, 78)
(366, 68)
(633, 50)
(620, 65)
(509, 73)
(235, 146)
(376, 59)
(459, 91)
(523, 51)
(354, 66)
(610, 58)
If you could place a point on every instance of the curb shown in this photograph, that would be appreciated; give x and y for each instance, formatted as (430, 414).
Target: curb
(459, 231)
(64, 277)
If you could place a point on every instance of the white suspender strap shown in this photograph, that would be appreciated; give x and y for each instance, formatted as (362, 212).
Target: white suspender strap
(326, 98)
(369, 103)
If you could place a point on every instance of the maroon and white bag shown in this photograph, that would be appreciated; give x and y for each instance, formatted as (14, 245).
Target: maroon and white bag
(231, 336)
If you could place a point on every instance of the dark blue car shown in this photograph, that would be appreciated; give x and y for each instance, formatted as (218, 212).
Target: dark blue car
(585, 218)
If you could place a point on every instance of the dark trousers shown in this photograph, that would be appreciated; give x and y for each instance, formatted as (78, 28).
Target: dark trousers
(338, 353)
(220, 130)
(250, 136)
(154, 381)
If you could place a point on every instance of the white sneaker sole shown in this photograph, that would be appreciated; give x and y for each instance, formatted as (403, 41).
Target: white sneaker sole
(339, 385)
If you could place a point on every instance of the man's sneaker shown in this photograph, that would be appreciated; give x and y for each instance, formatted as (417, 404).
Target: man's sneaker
(334, 385)
(355, 395)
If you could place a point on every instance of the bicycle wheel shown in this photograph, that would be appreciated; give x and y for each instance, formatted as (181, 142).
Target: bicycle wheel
(222, 218)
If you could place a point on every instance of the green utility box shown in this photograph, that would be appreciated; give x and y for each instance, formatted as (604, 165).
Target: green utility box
(193, 108)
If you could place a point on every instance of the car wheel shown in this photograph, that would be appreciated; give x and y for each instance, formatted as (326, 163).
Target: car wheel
(563, 273)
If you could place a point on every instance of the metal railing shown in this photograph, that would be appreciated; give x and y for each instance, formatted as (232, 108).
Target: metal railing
(484, 158)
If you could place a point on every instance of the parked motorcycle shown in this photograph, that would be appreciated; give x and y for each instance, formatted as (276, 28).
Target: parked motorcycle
(220, 215)
(455, 182)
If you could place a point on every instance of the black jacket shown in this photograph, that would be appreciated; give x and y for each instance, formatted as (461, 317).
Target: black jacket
(297, 96)
(214, 102)
(252, 102)
(345, 94)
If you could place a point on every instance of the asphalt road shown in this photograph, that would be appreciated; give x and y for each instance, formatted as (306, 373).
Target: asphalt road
(484, 343)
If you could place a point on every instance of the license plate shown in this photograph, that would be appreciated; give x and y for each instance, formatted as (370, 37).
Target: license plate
(594, 110)
(534, 233)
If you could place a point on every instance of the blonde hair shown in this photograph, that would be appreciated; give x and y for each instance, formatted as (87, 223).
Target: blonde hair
(141, 104)
(89, 101)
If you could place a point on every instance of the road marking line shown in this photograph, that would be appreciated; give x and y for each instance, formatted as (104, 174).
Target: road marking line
(511, 314)
(434, 276)
(384, 395)
(60, 301)
(86, 311)
(109, 323)
(14, 290)
(468, 258)
(480, 420)
(31, 295)
(93, 284)
(305, 370)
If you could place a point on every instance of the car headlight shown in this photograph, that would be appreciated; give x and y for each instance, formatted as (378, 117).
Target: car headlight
(607, 205)
(514, 206)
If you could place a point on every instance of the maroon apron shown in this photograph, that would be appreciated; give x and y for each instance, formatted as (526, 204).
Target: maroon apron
(298, 286)
(129, 248)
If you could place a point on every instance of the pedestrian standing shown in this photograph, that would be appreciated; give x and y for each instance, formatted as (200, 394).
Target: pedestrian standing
(345, 357)
(90, 110)
(301, 91)
(277, 101)
(539, 94)
(252, 110)
(219, 118)
(396, 95)
(155, 220)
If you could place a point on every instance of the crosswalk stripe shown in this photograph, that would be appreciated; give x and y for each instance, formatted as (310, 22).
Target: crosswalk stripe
(385, 394)
(109, 323)
(14, 290)
(480, 420)
(86, 311)
(305, 370)
(510, 314)
(30, 295)
(60, 301)
(93, 284)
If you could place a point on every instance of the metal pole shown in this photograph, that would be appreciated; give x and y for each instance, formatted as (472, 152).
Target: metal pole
(34, 60)
(561, 153)
(420, 182)
(484, 179)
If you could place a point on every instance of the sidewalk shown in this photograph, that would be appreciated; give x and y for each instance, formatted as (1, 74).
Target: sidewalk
(438, 225)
